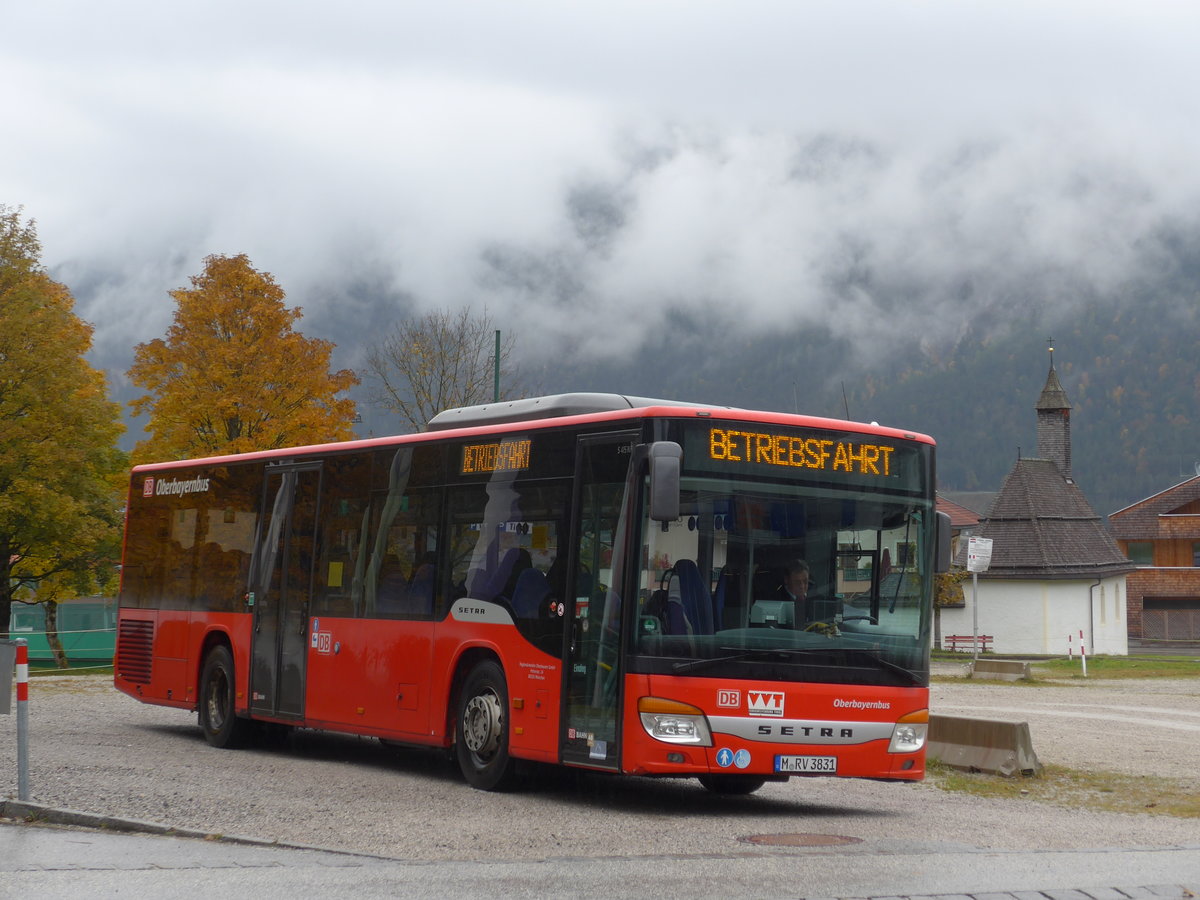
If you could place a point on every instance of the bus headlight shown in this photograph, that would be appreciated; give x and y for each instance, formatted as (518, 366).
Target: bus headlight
(909, 734)
(673, 722)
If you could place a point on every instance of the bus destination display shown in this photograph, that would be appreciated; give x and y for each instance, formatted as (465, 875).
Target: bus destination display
(501, 456)
(764, 448)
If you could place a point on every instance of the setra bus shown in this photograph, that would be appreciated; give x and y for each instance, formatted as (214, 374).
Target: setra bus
(589, 580)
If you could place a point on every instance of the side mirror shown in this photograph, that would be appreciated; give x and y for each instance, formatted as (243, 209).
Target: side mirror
(945, 534)
(665, 461)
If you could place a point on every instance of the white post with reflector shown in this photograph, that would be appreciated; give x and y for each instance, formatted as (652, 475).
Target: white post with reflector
(1082, 650)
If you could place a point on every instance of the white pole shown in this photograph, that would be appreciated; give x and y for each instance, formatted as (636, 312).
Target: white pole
(1082, 653)
(975, 616)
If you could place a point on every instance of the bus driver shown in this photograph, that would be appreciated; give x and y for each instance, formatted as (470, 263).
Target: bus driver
(794, 590)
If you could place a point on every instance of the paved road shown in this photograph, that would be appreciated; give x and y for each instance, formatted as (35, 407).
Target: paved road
(49, 863)
(407, 825)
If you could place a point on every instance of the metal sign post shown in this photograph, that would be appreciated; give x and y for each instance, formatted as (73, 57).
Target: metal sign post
(979, 557)
(17, 651)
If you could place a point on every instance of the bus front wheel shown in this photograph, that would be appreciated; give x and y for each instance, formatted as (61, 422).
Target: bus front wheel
(218, 720)
(481, 739)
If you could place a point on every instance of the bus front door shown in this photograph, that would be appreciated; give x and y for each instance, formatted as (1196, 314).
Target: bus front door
(280, 587)
(590, 716)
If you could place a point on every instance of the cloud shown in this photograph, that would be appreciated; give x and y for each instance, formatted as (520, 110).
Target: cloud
(592, 172)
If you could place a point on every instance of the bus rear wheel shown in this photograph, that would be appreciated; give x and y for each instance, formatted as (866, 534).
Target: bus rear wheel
(481, 737)
(732, 785)
(218, 719)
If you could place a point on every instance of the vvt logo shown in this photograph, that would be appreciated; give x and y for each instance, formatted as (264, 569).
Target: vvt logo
(765, 703)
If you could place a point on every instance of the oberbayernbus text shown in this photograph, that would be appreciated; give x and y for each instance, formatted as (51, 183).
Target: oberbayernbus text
(587, 580)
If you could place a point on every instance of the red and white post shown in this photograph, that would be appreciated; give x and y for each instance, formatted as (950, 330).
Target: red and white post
(22, 719)
(1082, 650)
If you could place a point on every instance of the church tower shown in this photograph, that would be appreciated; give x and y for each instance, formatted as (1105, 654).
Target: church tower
(1054, 422)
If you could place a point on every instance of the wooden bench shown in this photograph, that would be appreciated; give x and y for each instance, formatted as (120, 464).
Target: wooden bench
(966, 642)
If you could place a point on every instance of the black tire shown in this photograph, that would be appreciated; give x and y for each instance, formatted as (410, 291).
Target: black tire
(481, 733)
(218, 719)
(732, 785)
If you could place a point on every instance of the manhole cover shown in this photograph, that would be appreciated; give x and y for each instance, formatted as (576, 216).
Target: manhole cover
(800, 840)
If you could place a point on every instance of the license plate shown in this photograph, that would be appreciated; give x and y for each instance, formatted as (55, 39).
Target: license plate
(823, 765)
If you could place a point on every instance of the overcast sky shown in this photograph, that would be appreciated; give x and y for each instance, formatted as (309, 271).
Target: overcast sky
(583, 168)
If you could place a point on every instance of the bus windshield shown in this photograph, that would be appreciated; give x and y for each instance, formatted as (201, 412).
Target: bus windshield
(820, 578)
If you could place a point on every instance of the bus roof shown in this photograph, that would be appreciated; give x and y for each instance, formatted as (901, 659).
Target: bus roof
(505, 412)
(552, 410)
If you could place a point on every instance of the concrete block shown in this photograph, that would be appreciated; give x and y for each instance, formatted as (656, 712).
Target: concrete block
(994, 746)
(1001, 669)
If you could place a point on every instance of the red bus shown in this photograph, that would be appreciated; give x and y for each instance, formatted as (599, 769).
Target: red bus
(590, 580)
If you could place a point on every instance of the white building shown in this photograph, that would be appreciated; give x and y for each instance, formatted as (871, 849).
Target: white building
(1055, 572)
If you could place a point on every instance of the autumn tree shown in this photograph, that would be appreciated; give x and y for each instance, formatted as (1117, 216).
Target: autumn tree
(947, 591)
(233, 375)
(438, 361)
(61, 473)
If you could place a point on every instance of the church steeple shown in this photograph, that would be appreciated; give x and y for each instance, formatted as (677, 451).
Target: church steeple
(1054, 422)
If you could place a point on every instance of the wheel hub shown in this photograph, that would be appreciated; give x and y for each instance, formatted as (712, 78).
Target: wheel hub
(216, 703)
(482, 723)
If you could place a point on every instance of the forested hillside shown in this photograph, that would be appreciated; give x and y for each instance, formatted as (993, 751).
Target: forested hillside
(1132, 375)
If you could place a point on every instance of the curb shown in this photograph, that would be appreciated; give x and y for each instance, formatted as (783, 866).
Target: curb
(37, 813)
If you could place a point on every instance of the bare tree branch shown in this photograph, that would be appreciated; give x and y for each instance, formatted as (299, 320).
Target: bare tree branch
(440, 360)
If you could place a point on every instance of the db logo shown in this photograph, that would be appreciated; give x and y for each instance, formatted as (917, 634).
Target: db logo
(729, 698)
(148, 487)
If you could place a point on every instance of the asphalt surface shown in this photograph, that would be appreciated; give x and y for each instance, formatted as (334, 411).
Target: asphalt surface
(46, 862)
(147, 809)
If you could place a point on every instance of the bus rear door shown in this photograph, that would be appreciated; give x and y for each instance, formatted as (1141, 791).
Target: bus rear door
(280, 586)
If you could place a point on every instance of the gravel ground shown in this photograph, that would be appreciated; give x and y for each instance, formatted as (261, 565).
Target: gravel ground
(95, 750)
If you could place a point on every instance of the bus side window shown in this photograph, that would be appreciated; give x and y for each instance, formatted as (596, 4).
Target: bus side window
(347, 489)
(406, 576)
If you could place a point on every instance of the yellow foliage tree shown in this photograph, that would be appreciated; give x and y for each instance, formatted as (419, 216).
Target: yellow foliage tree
(61, 473)
(233, 376)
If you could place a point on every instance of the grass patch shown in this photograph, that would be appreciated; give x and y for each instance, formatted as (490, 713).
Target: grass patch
(1060, 786)
(1098, 667)
(1121, 667)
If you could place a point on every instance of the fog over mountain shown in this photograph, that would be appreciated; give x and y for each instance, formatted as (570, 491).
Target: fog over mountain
(813, 207)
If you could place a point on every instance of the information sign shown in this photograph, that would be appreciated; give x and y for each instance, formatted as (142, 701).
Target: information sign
(979, 554)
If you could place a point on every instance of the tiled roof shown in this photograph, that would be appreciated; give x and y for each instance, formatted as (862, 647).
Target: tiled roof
(1140, 521)
(976, 501)
(1053, 395)
(960, 516)
(1042, 527)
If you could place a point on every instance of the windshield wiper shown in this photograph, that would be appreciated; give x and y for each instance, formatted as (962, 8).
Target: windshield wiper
(758, 653)
(781, 654)
(886, 664)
